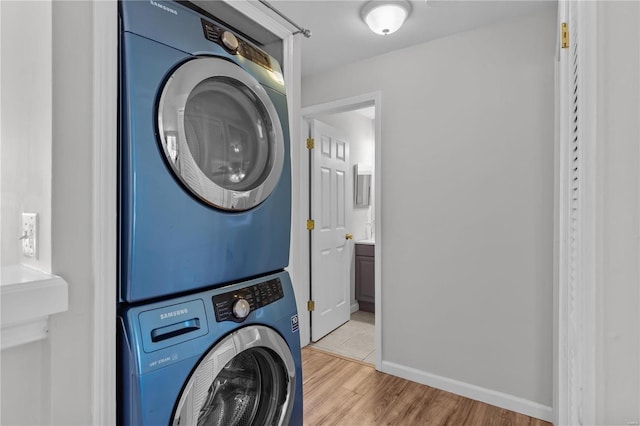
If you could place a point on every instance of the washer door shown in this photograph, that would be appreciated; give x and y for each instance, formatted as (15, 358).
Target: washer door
(220, 133)
(248, 378)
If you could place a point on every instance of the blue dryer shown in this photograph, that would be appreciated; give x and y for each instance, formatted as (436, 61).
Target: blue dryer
(227, 356)
(205, 181)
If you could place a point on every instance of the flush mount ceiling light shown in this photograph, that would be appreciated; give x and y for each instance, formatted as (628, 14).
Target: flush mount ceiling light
(385, 17)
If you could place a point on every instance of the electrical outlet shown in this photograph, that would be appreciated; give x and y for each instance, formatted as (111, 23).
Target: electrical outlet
(29, 234)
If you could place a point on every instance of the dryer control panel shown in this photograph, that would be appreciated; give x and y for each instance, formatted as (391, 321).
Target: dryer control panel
(232, 306)
(234, 44)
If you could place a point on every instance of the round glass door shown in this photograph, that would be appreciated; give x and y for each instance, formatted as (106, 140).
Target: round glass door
(246, 379)
(220, 133)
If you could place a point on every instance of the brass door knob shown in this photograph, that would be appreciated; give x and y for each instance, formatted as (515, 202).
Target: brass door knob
(348, 237)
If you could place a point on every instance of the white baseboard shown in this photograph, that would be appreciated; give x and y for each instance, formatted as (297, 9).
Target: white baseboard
(355, 307)
(488, 396)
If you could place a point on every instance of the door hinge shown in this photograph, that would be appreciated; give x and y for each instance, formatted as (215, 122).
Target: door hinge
(565, 35)
(311, 143)
(311, 306)
(311, 225)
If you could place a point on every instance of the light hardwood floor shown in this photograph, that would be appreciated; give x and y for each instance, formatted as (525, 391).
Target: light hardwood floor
(339, 391)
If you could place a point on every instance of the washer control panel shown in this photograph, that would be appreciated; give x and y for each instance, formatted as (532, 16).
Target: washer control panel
(237, 305)
(235, 45)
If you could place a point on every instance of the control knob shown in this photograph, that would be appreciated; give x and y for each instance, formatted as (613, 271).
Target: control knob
(241, 308)
(229, 41)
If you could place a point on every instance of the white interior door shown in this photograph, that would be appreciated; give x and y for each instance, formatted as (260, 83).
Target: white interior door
(331, 243)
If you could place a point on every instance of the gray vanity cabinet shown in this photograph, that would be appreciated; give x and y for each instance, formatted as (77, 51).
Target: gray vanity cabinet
(365, 276)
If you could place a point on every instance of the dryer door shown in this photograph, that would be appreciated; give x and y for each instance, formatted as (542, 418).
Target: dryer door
(220, 133)
(248, 378)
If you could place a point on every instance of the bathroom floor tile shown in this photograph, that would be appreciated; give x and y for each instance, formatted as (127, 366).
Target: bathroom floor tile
(371, 358)
(354, 339)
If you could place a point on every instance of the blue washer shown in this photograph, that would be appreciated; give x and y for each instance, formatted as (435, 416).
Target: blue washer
(208, 358)
(205, 180)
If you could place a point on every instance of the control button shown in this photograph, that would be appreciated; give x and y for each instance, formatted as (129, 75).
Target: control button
(229, 41)
(241, 309)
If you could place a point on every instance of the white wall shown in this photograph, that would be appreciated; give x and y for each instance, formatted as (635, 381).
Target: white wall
(467, 207)
(26, 127)
(49, 382)
(618, 340)
(25, 153)
(24, 385)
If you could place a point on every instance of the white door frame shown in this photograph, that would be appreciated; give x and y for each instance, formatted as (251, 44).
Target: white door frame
(348, 104)
(105, 210)
(576, 262)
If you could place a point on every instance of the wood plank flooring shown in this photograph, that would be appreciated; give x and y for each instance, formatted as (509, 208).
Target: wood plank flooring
(339, 391)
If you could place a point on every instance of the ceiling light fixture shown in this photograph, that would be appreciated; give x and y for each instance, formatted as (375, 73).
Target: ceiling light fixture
(385, 17)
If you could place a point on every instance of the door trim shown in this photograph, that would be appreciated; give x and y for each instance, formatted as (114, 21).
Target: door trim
(105, 208)
(575, 372)
(342, 105)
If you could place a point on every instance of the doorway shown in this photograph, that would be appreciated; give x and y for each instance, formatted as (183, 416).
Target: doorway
(357, 335)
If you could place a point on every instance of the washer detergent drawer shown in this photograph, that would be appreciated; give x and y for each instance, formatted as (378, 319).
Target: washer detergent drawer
(170, 325)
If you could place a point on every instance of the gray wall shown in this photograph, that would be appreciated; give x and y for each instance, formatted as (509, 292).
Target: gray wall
(467, 202)
(618, 340)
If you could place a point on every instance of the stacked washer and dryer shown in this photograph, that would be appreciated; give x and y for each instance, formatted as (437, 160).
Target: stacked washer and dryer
(208, 327)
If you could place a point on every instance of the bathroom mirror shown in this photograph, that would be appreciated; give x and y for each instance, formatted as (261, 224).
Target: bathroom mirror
(363, 175)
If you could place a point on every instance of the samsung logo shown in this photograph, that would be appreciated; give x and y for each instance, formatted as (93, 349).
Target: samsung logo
(175, 313)
(163, 7)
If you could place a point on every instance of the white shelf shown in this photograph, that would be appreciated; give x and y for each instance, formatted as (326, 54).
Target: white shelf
(28, 297)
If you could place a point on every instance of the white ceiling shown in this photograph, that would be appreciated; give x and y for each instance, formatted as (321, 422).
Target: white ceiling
(340, 36)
